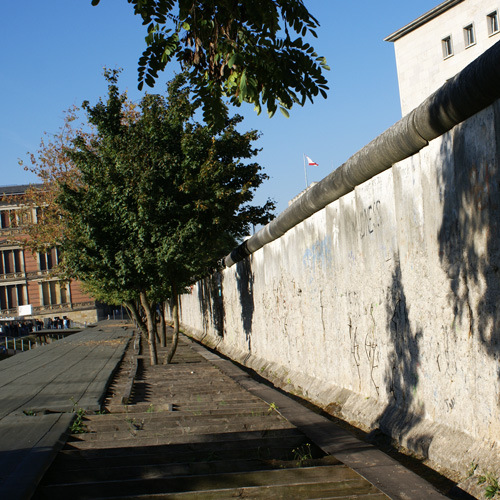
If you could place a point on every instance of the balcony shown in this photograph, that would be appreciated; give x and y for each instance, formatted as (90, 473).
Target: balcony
(38, 274)
(13, 276)
(56, 308)
(25, 276)
(75, 306)
(8, 313)
(12, 231)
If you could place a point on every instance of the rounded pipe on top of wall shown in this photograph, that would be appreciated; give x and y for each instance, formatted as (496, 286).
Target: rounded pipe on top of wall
(473, 89)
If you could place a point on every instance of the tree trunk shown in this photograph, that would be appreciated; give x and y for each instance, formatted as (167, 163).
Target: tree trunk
(155, 321)
(175, 314)
(131, 306)
(163, 330)
(151, 329)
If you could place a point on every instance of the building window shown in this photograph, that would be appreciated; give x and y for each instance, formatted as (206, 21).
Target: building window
(53, 292)
(5, 219)
(447, 47)
(11, 261)
(49, 260)
(492, 21)
(14, 218)
(12, 296)
(469, 36)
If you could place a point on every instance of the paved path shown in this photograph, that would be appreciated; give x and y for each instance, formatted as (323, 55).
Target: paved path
(201, 428)
(40, 388)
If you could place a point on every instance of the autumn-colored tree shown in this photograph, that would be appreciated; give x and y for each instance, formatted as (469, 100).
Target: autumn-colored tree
(247, 50)
(157, 200)
(52, 166)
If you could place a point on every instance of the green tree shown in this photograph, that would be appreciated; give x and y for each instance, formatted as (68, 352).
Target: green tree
(247, 50)
(158, 199)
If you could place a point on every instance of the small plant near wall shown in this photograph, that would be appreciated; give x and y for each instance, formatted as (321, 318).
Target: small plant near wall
(492, 488)
(135, 425)
(272, 407)
(472, 469)
(78, 427)
(302, 454)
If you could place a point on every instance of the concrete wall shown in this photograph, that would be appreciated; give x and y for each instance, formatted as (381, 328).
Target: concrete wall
(382, 307)
(419, 55)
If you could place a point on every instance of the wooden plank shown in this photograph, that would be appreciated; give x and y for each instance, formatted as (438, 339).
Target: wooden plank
(340, 477)
(127, 391)
(320, 492)
(105, 472)
(26, 452)
(136, 431)
(263, 446)
(346, 490)
(393, 479)
(80, 367)
(44, 379)
(123, 421)
(209, 448)
(82, 444)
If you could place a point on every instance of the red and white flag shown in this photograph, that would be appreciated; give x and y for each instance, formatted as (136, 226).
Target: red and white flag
(311, 163)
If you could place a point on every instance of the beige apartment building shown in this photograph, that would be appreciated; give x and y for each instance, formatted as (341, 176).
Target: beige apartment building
(440, 43)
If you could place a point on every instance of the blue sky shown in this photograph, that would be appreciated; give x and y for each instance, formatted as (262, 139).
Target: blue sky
(53, 52)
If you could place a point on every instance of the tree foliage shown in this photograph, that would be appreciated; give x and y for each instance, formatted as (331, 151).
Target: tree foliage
(247, 50)
(53, 166)
(157, 198)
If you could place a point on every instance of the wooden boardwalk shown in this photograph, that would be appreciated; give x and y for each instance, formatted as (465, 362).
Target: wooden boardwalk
(201, 428)
(39, 390)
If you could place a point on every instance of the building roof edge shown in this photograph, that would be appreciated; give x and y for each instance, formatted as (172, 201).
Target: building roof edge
(14, 189)
(431, 14)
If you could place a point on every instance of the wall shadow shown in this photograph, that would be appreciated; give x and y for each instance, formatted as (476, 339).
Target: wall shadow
(469, 236)
(404, 411)
(211, 299)
(244, 282)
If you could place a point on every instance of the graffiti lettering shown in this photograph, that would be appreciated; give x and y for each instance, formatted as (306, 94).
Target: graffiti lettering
(370, 219)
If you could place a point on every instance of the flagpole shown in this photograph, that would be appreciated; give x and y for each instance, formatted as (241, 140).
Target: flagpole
(305, 170)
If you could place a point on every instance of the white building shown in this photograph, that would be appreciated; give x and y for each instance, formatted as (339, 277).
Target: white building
(436, 46)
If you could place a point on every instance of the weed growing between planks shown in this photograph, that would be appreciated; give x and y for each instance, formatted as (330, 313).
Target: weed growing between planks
(302, 454)
(78, 427)
(272, 407)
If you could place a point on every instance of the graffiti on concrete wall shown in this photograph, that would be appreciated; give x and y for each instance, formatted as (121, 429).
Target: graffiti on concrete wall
(319, 255)
(370, 219)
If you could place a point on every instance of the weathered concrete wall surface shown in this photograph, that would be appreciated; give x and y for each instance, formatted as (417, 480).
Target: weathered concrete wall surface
(382, 307)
